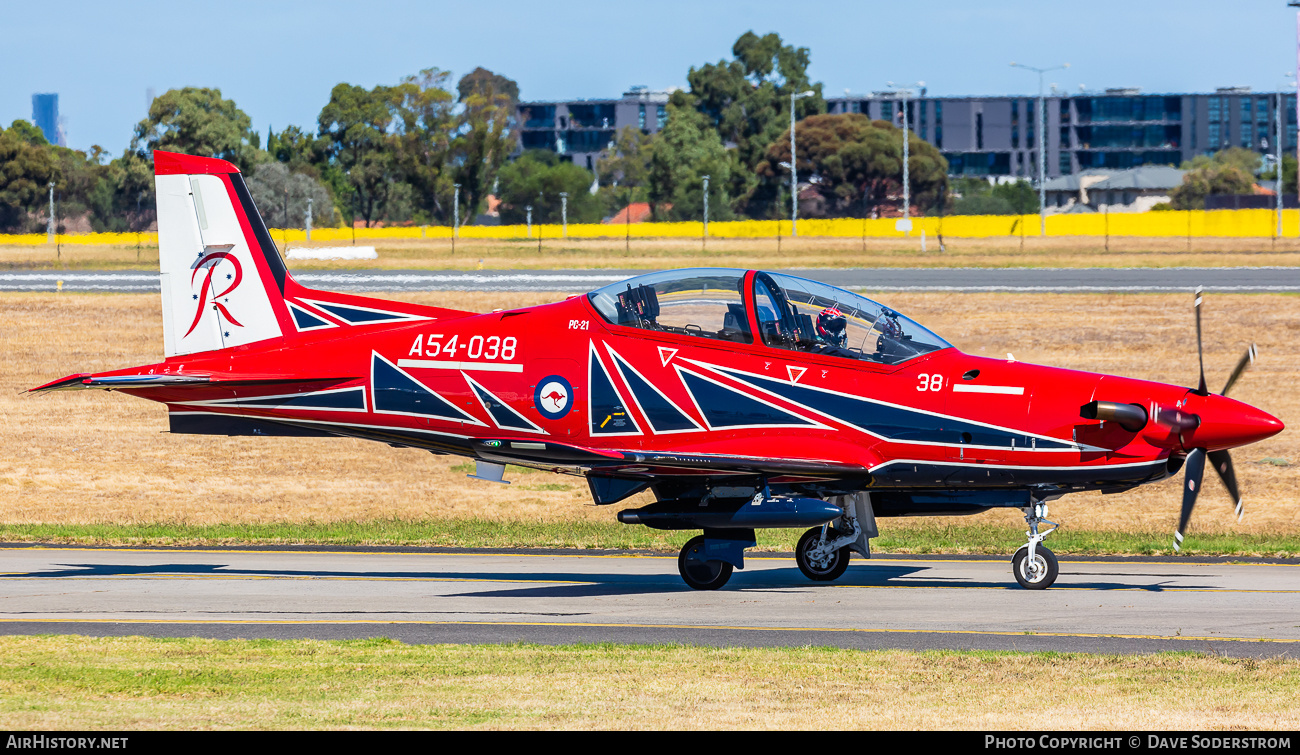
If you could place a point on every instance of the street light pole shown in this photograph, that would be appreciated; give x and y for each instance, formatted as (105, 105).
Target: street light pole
(794, 179)
(308, 219)
(455, 212)
(907, 193)
(564, 212)
(49, 226)
(1042, 143)
(706, 207)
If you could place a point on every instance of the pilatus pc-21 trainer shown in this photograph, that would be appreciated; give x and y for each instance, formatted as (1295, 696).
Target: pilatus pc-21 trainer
(741, 399)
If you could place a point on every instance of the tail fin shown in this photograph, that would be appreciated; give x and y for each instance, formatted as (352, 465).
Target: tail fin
(223, 279)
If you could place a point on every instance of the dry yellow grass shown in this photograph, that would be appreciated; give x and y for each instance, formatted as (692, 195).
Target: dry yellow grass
(91, 457)
(66, 683)
(798, 252)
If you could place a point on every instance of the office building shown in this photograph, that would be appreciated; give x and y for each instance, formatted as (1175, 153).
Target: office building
(991, 137)
(45, 114)
(1118, 129)
(579, 130)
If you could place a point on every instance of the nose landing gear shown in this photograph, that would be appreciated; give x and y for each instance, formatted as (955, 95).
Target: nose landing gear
(1034, 565)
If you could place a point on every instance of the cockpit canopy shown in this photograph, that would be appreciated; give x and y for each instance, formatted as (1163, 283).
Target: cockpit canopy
(792, 313)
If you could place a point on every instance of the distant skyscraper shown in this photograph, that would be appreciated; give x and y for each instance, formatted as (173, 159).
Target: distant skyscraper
(45, 114)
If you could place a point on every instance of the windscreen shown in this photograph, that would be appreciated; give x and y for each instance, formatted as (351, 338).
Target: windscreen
(803, 315)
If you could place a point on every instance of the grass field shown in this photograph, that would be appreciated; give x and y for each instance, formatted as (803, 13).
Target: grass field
(95, 467)
(78, 683)
(789, 252)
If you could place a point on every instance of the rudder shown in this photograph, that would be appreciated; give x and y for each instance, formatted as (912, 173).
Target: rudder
(222, 277)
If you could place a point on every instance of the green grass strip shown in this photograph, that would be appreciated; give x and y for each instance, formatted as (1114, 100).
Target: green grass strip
(118, 683)
(940, 537)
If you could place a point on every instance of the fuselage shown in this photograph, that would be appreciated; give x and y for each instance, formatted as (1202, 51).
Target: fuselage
(522, 385)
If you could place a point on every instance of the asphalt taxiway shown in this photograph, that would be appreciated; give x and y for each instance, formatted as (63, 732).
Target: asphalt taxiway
(560, 597)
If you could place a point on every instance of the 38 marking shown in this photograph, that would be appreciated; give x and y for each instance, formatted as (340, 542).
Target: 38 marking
(930, 382)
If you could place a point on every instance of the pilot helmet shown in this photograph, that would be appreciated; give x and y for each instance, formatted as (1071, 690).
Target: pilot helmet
(831, 326)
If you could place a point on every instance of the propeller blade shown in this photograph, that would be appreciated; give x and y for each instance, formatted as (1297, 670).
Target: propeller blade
(1195, 466)
(1246, 360)
(1200, 353)
(1222, 463)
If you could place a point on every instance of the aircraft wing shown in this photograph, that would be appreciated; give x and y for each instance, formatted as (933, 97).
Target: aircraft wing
(652, 464)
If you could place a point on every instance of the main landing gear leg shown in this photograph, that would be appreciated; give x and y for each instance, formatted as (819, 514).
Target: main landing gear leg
(823, 552)
(1034, 564)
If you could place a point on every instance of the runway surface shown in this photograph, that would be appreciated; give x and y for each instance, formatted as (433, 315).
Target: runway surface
(1024, 280)
(1107, 606)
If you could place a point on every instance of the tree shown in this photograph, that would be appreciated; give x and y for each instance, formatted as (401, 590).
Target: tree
(623, 171)
(484, 138)
(198, 121)
(685, 151)
(747, 101)
(1228, 171)
(979, 197)
(26, 169)
(301, 151)
(281, 196)
(361, 150)
(854, 164)
(424, 122)
(536, 178)
(482, 81)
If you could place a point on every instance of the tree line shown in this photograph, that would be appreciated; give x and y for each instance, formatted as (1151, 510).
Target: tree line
(423, 150)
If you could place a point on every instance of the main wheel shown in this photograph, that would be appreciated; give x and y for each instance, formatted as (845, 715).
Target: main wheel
(698, 573)
(1040, 574)
(823, 569)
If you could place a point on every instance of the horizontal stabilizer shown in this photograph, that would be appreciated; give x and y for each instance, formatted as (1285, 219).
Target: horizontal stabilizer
(84, 380)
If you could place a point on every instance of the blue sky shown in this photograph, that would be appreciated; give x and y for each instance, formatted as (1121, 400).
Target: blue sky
(278, 61)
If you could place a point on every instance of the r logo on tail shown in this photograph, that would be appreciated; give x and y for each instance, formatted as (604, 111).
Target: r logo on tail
(211, 261)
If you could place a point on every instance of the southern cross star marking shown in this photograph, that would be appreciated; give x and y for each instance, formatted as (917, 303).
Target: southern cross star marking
(229, 276)
(196, 296)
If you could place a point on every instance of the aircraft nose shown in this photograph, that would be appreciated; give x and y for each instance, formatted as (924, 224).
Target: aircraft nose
(1228, 423)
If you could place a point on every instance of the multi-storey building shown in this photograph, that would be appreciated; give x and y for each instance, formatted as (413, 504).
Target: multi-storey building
(578, 130)
(45, 114)
(995, 136)
(1118, 129)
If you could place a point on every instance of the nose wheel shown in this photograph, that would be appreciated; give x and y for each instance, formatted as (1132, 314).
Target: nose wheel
(1034, 565)
(1037, 573)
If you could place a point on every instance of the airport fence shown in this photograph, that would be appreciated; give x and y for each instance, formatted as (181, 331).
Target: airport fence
(1167, 224)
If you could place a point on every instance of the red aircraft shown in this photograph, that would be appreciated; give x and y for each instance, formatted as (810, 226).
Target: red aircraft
(742, 399)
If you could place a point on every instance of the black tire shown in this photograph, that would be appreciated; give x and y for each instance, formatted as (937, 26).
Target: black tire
(1048, 568)
(834, 566)
(697, 573)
